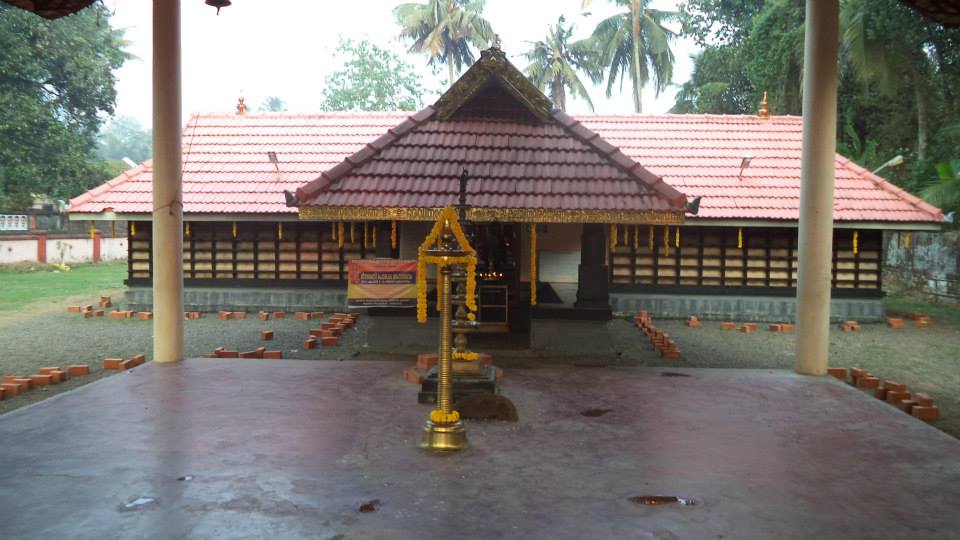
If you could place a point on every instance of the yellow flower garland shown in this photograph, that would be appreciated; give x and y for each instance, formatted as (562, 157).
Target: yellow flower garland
(906, 241)
(613, 236)
(740, 238)
(677, 239)
(666, 240)
(448, 215)
(186, 229)
(353, 237)
(636, 237)
(856, 241)
(373, 236)
(340, 234)
(234, 229)
(133, 228)
(466, 356)
(650, 240)
(93, 230)
(393, 235)
(279, 231)
(365, 228)
(533, 264)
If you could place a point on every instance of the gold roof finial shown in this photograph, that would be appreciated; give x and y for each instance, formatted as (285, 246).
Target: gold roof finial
(764, 112)
(241, 106)
(496, 41)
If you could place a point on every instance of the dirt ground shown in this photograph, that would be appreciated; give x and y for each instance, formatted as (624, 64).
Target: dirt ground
(45, 335)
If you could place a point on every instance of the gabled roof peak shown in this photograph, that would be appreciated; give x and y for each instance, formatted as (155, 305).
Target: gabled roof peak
(493, 67)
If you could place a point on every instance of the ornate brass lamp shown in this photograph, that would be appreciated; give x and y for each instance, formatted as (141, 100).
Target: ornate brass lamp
(446, 247)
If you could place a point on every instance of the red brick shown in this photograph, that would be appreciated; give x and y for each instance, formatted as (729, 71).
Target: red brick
(880, 393)
(786, 328)
(316, 332)
(58, 376)
(895, 397)
(225, 315)
(144, 315)
(239, 314)
(310, 344)
(279, 315)
(117, 314)
(139, 359)
(228, 354)
(87, 314)
(266, 335)
(894, 323)
(923, 399)
(907, 405)
(47, 370)
(425, 361)
(78, 369)
(838, 372)
(210, 355)
(914, 315)
(316, 314)
(775, 327)
(264, 316)
(250, 354)
(105, 299)
(329, 334)
(925, 412)
(671, 354)
(10, 389)
(728, 325)
(127, 364)
(849, 326)
(87, 307)
(894, 386)
(328, 326)
(24, 381)
(302, 315)
(868, 382)
(73, 309)
(412, 374)
(41, 380)
(273, 355)
(98, 313)
(112, 363)
(106, 304)
(328, 341)
(747, 328)
(923, 322)
(693, 323)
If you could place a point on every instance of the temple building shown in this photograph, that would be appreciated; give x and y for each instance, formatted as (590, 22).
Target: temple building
(572, 216)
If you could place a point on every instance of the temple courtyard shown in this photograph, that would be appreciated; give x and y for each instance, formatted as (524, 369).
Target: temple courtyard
(218, 448)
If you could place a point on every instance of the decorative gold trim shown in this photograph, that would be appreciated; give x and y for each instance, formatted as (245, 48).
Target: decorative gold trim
(518, 215)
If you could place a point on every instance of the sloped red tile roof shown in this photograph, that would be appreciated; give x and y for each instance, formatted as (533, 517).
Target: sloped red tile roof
(557, 165)
(227, 170)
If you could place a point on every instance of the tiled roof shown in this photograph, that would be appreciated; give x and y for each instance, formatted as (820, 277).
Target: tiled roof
(227, 170)
(553, 165)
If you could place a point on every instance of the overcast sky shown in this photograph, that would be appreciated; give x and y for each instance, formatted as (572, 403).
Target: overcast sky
(285, 48)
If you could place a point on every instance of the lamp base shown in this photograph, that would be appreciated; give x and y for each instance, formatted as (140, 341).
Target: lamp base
(446, 437)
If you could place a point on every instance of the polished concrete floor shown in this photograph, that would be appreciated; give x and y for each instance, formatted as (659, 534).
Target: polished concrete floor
(291, 449)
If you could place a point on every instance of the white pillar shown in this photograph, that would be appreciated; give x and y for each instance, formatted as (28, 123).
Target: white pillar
(167, 191)
(816, 192)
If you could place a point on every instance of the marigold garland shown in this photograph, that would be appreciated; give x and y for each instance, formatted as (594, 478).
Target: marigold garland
(373, 236)
(93, 230)
(353, 237)
(186, 229)
(677, 239)
(340, 234)
(906, 241)
(393, 235)
(466, 356)
(650, 240)
(613, 236)
(533, 264)
(234, 229)
(279, 231)
(666, 240)
(365, 228)
(856, 241)
(448, 215)
(636, 237)
(740, 238)
(133, 228)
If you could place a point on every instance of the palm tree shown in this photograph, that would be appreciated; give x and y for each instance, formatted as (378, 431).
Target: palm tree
(636, 44)
(444, 30)
(554, 63)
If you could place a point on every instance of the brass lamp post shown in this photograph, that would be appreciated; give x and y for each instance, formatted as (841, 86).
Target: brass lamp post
(444, 430)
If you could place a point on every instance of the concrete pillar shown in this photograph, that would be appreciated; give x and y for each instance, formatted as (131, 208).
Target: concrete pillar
(167, 190)
(592, 279)
(816, 192)
(42, 247)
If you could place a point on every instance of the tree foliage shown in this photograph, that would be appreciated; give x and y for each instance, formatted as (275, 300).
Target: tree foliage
(124, 137)
(56, 86)
(371, 79)
(444, 30)
(554, 63)
(635, 44)
(273, 104)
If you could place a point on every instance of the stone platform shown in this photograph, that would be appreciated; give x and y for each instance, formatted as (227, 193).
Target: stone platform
(291, 449)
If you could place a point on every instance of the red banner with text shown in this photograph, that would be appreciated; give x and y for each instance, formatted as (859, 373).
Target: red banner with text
(382, 283)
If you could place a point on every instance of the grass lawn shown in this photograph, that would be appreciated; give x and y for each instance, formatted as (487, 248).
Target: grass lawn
(20, 287)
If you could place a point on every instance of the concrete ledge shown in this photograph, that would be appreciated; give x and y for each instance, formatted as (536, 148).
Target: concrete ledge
(753, 308)
(245, 299)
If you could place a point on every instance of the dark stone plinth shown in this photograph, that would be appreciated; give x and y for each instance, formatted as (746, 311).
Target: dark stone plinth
(463, 385)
